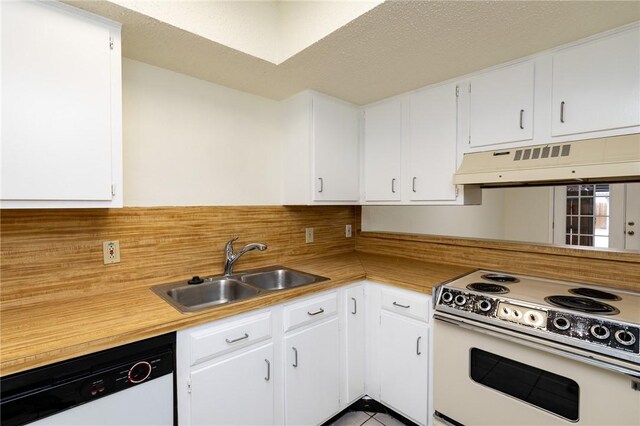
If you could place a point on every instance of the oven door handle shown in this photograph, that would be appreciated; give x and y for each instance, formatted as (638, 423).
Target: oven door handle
(529, 342)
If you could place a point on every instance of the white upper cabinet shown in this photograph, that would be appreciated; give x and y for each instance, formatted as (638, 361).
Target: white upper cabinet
(596, 85)
(321, 152)
(501, 105)
(61, 108)
(383, 151)
(432, 143)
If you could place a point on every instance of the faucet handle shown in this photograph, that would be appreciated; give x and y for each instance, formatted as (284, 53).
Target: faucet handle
(229, 246)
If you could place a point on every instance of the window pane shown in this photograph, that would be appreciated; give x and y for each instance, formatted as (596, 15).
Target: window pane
(572, 206)
(586, 190)
(586, 225)
(573, 190)
(572, 225)
(586, 241)
(601, 242)
(586, 206)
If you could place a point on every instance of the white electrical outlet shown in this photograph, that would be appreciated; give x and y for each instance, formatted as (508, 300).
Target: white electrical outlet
(111, 252)
(308, 235)
(347, 231)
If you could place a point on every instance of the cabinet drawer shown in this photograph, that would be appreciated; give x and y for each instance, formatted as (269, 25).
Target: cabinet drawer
(414, 306)
(217, 340)
(309, 311)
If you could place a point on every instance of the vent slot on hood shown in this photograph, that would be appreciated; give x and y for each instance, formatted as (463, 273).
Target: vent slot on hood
(615, 159)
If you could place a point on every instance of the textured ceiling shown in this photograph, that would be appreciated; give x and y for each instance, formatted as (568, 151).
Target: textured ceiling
(395, 47)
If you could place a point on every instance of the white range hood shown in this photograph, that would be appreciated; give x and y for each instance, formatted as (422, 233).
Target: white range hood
(614, 159)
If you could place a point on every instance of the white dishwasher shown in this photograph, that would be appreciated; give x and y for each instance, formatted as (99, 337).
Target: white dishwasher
(128, 385)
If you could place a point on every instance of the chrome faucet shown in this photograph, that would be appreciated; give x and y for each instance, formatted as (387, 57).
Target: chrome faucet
(231, 258)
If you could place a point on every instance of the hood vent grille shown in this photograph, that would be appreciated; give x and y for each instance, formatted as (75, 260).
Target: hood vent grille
(615, 159)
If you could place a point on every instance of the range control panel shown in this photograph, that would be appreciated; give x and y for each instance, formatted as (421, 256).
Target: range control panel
(606, 333)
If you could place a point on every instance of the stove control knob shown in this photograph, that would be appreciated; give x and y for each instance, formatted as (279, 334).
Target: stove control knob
(460, 300)
(561, 323)
(625, 337)
(600, 332)
(447, 297)
(139, 372)
(484, 305)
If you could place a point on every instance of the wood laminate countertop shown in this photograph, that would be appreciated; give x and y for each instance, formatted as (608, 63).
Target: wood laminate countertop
(37, 334)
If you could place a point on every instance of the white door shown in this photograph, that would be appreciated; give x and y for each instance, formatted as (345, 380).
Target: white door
(432, 144)
(355, 371)
(312, 371)
(56, 105)
(383, 151)
(632, 216)
(596, 86)
(336, 154)
(404, 365)
(501, 105)
(236, 391)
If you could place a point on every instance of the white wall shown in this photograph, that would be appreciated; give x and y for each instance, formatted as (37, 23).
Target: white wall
(191, 142)
(484, 221)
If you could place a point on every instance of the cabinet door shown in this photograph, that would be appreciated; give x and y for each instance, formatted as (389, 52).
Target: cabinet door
(596, 86)
(501, 106)
(432, 144)
(404, 353)
(235, 391)
(383, 151)
(355, 343)
(56, 104)
(335, 149)
(312, 374)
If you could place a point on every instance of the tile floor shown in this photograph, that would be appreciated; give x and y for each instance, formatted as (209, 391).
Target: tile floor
(358, 418)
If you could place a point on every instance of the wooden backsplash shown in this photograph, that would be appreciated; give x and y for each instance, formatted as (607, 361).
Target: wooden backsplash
(55, 253)
(609, 268)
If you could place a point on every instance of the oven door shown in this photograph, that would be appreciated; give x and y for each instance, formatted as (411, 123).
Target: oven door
(483, 378)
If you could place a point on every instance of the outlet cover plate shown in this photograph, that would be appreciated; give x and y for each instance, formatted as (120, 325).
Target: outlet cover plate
(111, 252)
(308, 235)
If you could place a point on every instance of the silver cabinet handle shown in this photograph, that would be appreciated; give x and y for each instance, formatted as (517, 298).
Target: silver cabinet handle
(562, 112)
(295, 360)
(321, 184)
(418, 346)
(521, 119)
(246, 336)
(413, 184)
(355, 306)
(401, 306)
(393, 185)
(268, 370)
(319, 311)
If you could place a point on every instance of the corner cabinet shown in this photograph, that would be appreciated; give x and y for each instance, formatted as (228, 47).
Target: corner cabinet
(321, 154)
(411, 150)
(61, 107)
(596, 85)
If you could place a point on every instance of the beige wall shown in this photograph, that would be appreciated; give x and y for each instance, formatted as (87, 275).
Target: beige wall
(484, 221)
(528, 214)
(191, 142)
(514, 214)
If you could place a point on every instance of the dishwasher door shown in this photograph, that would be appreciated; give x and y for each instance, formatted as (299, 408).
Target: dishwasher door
(124, 386)
(149, 403)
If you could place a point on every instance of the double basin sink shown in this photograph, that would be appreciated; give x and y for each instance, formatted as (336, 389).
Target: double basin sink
(223, 290)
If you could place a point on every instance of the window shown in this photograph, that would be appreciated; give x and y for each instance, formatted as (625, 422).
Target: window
(587, 215)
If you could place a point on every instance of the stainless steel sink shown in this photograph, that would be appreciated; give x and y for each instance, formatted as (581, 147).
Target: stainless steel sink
(218, 291)
(279, 279)
(212, 292)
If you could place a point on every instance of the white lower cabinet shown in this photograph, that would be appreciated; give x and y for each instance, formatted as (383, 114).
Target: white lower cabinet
(222, 392)
(404, 357)
(312, 374)
(302, 362)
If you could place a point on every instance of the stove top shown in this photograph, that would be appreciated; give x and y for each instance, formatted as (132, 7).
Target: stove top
(599, 319)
